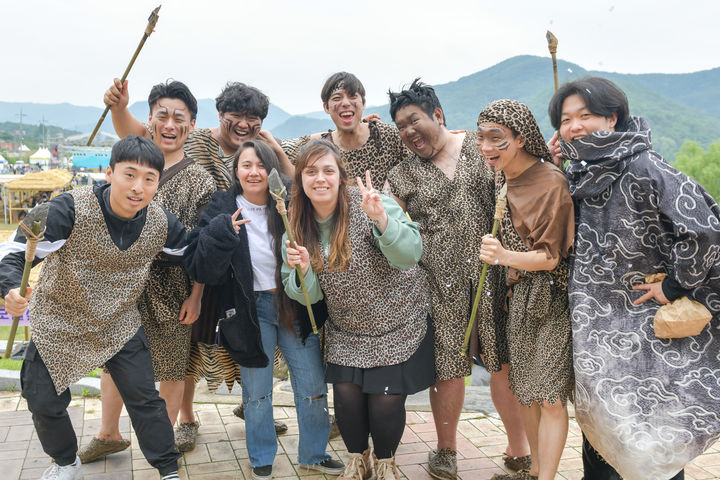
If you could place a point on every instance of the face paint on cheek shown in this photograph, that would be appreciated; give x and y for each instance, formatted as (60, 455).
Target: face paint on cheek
(254, 130)
(503, 146)
(183, 130)
(227, 123)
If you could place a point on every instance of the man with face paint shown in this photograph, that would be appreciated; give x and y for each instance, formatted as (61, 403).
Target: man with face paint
(241, 110)
(170, 303)
(449, 191)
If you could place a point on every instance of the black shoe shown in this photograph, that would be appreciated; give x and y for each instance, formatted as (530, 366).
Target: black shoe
(262, 473)
(329, 466)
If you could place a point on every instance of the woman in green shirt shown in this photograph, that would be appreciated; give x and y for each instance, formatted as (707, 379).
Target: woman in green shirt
(358, 252)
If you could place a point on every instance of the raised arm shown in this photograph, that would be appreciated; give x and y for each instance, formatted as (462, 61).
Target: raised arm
(117, 98)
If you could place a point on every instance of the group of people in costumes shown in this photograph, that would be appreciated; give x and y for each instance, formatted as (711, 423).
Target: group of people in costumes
(180, 268)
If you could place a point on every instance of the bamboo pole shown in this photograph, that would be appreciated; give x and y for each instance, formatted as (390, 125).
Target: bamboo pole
(33, 238)
(500, 204)
(152, 21)
(277, 190)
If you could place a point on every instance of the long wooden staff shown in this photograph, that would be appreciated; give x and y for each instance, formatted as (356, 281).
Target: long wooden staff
(552, 46)
(33, 236)
(152, 20)
(500, 204)
(279, 193)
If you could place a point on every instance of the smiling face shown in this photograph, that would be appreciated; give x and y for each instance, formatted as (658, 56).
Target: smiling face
(170, 122)
(238, 127)
(421, 133)
(498, 145)
(321, 181)
(132, 187)
(345, 110)
(252, 176)
(577, 120)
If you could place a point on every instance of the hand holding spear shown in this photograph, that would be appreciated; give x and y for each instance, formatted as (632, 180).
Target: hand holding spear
(32, 228)
(500, 205)
(152, 20)
(279, 193)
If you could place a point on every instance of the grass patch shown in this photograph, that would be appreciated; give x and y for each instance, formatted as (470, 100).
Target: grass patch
(8, 226)
(10, 364)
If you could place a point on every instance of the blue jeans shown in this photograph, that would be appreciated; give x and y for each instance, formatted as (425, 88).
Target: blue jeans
(308, 380)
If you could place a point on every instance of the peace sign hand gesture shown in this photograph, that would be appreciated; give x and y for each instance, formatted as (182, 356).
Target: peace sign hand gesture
(372, 204)
(237, 223)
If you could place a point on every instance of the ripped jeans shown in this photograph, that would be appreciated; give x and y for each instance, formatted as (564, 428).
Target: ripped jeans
(308, 380)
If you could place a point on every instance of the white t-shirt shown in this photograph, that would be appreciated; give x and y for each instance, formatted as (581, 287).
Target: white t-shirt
(260, 241)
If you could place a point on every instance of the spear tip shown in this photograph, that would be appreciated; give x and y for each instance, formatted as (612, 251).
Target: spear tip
(552, 41)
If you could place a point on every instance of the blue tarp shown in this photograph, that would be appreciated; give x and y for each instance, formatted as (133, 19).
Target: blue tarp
(91, 160)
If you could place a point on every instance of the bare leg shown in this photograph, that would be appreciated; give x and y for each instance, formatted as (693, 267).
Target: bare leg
(446, 401)
(531, 418)
(510, 412)
(187, 413)
(112, 405)
(172, 393)
(553, 428)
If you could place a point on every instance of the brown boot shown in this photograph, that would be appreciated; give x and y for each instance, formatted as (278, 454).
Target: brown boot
(358, 467)
(385, 469)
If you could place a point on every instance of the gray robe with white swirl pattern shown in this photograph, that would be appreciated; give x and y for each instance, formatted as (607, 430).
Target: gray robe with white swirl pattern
(648, 405)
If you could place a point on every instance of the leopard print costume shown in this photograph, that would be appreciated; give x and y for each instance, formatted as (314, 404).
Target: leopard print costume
(379, 154)
(84, 307)
(539, 331)
(453, 215)
(184, 195)
(376, 313)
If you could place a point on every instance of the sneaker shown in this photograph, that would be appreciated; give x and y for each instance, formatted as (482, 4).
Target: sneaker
(442, 464)
(186, 435)
(517, 463)
(329, 466)
(262, 473)
(385, 469)
(280, 427)
(359, 467)
(68, 472)
(100, 447)
(171, 476)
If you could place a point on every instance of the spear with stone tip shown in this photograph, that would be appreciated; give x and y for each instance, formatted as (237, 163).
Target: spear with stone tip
(500, 204)
(32, 228)
(152, 20)
(279, 193)
(552, 46)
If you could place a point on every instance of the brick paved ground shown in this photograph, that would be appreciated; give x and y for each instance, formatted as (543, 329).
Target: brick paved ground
(221, 453)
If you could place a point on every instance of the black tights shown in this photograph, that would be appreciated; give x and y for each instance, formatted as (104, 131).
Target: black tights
(359, 414)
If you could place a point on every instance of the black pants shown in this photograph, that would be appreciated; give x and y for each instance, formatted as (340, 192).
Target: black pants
(131, 370)
(596, 468)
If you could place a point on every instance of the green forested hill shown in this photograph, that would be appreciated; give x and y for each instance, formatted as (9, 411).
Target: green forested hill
(679, 107)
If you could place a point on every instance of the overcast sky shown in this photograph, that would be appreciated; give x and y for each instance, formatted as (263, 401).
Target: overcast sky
(54, 51)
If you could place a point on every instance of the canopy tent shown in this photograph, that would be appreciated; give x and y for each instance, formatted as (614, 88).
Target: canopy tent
(19, 192)
(41, 157)
(2, 159)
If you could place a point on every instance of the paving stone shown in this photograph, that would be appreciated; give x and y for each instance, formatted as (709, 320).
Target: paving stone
(220, 451)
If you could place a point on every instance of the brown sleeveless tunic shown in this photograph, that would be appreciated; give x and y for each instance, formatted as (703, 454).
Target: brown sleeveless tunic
(83, 308)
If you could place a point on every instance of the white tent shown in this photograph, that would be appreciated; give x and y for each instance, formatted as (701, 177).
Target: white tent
(23, 148)
(2, 159)
(41, 157)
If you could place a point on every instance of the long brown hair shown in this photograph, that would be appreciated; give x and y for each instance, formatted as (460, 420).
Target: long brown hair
(276, 227)
(302, 218)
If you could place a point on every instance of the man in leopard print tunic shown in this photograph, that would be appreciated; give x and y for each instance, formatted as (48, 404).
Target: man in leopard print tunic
(98, 245)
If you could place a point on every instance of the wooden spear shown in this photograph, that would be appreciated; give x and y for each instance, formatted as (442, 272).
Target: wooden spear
(32, 227)
(552, 46)
(500, 204)
(152, 20)
(279, 193)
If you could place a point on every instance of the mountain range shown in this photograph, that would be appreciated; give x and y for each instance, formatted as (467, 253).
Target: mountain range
(678, 107)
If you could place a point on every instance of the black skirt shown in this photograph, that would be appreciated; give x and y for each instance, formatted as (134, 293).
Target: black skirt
(411, 376)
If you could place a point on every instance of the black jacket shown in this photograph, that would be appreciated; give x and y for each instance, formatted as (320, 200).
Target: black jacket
(216, 255)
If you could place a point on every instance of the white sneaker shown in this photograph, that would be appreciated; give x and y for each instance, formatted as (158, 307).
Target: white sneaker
(68, 472)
